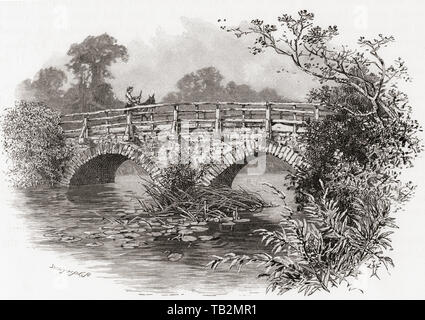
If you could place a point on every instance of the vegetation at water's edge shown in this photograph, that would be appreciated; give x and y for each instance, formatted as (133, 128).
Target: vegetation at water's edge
(34, 142)
(349, 191)
(179, 192)
(347, 194)
(179, 209)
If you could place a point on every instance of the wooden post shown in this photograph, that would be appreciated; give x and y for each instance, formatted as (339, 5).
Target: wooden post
(86, 124)
(217, 129)
(268, 120)
(235, 214)
(152, 110)
(84, 131)
(316, 113)
(107, 123)
(174, 126)
(243, 116)
(128, 135)
(295, 119)
(197, 115)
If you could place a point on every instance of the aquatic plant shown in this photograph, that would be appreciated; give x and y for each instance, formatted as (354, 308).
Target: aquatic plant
(181, 193)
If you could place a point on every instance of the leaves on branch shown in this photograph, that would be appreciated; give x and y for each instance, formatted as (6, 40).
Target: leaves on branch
(311, 49)
(351, 185)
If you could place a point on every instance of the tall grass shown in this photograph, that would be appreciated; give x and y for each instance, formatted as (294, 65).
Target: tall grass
(180, 193)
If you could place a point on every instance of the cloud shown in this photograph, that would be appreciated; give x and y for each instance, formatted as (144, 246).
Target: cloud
(156, 66)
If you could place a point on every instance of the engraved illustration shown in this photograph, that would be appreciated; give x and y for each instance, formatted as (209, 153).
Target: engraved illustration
(256, 155)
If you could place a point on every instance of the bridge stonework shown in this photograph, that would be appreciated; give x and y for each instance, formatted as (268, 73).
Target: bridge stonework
(98, 163)
(155, 143)
(233, 161)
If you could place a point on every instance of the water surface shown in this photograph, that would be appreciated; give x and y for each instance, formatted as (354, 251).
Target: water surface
(78, 213)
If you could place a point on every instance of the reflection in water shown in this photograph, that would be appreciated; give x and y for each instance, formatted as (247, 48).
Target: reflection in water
(147, 269)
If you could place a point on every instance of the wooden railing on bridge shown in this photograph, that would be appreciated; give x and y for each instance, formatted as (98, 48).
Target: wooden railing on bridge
(210, 116)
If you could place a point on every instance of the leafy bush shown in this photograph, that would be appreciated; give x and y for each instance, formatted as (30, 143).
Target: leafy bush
(33, 140)
(325, 246)
(351, 185)
(350, 154)
(346, 196)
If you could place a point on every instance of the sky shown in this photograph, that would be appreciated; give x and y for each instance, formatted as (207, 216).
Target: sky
(169, 38)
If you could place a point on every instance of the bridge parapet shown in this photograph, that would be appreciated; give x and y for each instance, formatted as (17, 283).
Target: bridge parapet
(139, 122)
(222, 134)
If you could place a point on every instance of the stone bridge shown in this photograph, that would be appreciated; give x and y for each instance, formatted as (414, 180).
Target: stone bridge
(224, 135)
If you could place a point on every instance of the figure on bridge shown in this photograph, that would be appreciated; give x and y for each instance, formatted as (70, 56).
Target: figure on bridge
(131, 101)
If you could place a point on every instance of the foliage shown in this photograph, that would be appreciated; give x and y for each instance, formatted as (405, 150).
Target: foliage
(47, 87)
(90, 62)
(33, 140)
(178, 191)
(350, 186)
(206, 85)
(91, 59)
(180, 176)
(311, 49)
(90, 65)
(323, 247)
(348, 154)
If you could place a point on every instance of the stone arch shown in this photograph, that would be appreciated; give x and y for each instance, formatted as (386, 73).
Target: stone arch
(98, 164)
(235, 160)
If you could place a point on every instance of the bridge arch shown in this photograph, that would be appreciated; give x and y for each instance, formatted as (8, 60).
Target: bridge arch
(99, 163)
(233, 161)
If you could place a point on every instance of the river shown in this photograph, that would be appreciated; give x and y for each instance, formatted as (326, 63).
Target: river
(147, 269)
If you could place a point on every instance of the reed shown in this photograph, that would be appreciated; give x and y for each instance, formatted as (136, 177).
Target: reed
(181, 194)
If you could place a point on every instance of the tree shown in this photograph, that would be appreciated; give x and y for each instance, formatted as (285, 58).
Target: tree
(239, 92)
(90, 62)
(206, 85)
(104, 95)
(46, 87)
(92, 58)
(310, 48)
(268, 94)
(203, 84)
(25, 91)
(33, 140)
(350, 186)
(344, 150)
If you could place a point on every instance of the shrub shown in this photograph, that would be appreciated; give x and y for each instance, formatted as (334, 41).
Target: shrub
(349, 153)
(325, 246)
(346, 195)
(351, 183)
(34, 142)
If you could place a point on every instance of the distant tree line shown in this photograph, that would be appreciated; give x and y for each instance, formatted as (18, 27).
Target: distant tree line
(206, 85)
(89, 89)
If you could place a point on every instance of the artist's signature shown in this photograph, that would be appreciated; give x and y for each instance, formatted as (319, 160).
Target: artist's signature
(70, 273)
